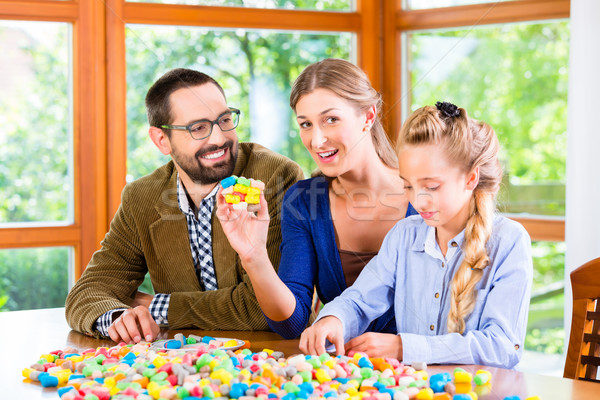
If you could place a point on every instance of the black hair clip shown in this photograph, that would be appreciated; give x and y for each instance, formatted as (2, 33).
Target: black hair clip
(448, 109)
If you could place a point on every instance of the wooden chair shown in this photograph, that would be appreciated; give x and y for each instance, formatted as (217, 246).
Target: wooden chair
(583, 355)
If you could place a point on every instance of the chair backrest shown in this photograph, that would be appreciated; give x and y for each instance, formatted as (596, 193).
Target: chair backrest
(583, 355)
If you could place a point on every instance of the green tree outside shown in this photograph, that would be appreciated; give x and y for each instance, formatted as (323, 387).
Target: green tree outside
(36, 144)
(514, 77)
(33, 278)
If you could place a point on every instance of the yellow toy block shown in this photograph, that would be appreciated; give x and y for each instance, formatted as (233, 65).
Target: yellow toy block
(232, 198)
(240, 188)
(252, 199)
(252, 191)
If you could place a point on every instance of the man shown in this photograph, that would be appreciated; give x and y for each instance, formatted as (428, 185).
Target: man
(166, 224)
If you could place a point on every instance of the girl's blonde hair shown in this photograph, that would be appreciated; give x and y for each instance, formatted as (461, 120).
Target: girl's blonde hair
(350, 83)
(468, 144)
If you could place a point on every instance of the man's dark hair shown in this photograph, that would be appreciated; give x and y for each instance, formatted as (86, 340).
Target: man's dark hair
(158, 107)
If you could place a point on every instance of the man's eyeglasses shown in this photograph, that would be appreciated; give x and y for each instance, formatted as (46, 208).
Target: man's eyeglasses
(202, 129)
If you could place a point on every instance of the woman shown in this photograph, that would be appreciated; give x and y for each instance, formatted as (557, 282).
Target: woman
(334, 223)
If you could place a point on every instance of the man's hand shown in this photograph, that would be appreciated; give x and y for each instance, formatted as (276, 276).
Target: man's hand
(312, 340)
(127, 327)
(377, 345)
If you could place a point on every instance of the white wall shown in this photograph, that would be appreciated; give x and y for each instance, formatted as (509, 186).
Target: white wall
(583, 143)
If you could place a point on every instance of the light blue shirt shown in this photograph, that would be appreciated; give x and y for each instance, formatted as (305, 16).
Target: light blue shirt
(417, 282)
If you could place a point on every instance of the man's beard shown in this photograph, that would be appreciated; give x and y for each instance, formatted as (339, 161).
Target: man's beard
(203, 175)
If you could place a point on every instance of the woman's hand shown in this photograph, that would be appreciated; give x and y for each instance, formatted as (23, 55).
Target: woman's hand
(246, 232)
(377, 345)
(312, 340)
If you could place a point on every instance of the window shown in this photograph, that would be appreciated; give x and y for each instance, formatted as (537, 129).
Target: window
(515, 77)
(34, 278)
(36, 176)
(40, 231)
(546, 312)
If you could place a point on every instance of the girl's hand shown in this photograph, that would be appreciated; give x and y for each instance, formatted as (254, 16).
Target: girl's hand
(246, 232)
(312, 340)
(377, 345)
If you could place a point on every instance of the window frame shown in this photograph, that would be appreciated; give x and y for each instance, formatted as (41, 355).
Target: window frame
(89, 148)
(540, 228)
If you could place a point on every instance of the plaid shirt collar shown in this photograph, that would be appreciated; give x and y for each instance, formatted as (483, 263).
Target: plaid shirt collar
(184, 203)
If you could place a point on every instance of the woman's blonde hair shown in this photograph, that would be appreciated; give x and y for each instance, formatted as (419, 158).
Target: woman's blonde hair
(468, 144)
(350, 83)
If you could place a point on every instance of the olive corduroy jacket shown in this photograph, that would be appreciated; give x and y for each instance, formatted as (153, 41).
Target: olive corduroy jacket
(149, 234)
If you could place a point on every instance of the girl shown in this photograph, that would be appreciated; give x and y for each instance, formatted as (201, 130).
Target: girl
(459, 278)
(333, 224)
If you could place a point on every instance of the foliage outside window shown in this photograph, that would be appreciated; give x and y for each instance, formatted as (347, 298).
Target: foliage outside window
(34, 278)
(255, 68)
(35, 114)
(515, 77)
(545, 331)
